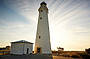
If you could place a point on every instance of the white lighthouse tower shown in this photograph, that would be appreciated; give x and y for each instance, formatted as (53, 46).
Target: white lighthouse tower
(42, 43)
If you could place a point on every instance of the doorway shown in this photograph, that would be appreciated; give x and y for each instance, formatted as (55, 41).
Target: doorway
(38, 50)
(27, 50)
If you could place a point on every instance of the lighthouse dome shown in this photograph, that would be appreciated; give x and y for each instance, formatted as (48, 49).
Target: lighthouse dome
(43, 3)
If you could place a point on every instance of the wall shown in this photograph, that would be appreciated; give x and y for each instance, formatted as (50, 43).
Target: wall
(21, 48)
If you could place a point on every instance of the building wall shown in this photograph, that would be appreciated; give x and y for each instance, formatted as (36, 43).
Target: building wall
(43, 36)
(28, 46)
(5, 50)
(21, 48)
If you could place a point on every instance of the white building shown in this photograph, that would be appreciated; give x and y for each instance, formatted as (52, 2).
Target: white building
(42, 43)
(21, 47)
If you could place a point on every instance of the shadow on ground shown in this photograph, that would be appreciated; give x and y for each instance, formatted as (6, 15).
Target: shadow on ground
(26, 57)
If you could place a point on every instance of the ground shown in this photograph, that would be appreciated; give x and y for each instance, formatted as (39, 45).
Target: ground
(61, 57)
(34, 57)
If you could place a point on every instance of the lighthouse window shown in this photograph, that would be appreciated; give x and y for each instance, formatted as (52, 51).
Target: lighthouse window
(40, 17)
(41, 10)
(39, 37)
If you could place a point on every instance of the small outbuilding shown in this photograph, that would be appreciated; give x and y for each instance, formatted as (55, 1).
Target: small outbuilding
(21, 47)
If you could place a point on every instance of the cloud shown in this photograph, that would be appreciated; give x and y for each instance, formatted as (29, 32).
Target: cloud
(69, 22)
(17, 30)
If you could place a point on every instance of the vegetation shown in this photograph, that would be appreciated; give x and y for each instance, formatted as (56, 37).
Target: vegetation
(75, 56)
(85, 56)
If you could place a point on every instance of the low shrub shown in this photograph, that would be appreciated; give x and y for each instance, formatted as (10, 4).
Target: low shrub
(75, 56)
(85, 56)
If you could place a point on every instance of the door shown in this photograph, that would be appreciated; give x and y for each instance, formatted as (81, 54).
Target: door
(27, 50)
(38, 50)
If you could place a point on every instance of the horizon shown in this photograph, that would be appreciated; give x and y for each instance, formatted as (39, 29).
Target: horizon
(69, 22)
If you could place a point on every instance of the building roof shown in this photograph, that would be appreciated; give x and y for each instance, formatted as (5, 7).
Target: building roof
(2, 48)
(22, 41)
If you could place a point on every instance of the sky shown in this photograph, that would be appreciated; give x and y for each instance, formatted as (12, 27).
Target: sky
(69, 22)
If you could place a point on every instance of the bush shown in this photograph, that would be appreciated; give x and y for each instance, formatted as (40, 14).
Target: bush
(85, 56)
(75, 56)
(66, 55)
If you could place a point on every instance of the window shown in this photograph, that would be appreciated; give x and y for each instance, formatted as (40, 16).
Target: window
(39, 37)
(40, 17)
(41, 10)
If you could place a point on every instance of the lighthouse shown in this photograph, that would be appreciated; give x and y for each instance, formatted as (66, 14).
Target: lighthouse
(42, 43)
